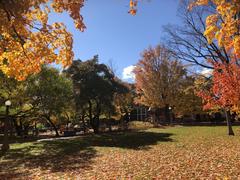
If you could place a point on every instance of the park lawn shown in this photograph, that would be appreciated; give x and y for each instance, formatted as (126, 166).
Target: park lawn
(169, 153)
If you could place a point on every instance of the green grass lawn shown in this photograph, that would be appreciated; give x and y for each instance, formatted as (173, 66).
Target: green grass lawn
(170, 153)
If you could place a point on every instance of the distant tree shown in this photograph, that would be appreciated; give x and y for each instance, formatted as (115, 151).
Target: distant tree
(124, 102)
(188, 103)
(159, 78)
(94, 87)
(51, 93)
(222, 92)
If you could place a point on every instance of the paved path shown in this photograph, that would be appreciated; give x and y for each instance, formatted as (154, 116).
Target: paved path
(58, 138)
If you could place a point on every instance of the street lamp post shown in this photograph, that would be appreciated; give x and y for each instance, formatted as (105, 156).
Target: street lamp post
(170, 113)
(5, 145)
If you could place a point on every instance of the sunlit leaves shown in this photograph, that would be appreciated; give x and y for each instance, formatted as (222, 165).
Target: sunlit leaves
(158, 78)
(27, 40)
(211, 29)
(224, 92)
(236, 45)
(133, 7)
(224, 25)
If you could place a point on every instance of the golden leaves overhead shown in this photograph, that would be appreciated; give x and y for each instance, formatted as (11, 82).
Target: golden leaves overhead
(224, 25)
(27, 40)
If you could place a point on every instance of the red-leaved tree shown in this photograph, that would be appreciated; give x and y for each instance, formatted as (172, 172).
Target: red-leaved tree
(224, 92)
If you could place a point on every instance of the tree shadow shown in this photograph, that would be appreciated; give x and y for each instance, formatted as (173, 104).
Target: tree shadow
(29, 138)
(54, 156)
(137, 140)
(71, 154)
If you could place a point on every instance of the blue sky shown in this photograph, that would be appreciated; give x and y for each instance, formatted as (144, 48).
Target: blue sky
(115, 35)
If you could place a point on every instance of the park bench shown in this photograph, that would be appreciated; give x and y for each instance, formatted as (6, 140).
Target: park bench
(69, 133)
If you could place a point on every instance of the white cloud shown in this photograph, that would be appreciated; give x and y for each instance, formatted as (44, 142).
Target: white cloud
(206, 71)
(128, 74)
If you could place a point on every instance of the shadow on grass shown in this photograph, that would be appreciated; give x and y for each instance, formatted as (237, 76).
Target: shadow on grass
(72, 154)
(29, 138)
(137, 140)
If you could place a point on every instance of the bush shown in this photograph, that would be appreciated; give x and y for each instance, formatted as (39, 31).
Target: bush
(40, 126)
(138, 125)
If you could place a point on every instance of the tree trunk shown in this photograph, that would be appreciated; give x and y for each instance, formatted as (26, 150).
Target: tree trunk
(109, 124)
(173, 117)
(90, 114)
(26, 130)
(84, 123)
(229, 123)
(53, 125)
(21, 126)
(35, 128)
(156, 117)
(96, 125)
(5, 145)
(167, 115)
(110, 127)
(17, 127)
(96, 120)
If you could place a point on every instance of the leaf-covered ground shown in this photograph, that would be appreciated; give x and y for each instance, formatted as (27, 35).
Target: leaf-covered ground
(171, 153)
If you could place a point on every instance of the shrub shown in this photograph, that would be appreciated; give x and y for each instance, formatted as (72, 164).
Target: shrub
(138, 125)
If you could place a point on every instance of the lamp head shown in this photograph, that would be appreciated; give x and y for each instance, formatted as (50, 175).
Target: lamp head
(8, 103)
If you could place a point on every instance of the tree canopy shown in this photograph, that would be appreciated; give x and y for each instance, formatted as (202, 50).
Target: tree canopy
(27, 40)
(94, 88)
(158, 77)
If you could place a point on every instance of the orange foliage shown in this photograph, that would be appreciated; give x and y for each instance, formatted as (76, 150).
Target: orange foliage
(27, 40)
(224, 25)
(225, 90)
(158, 78)
(133, 5)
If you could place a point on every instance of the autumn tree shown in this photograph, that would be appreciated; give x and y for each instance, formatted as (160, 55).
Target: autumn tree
(189, 42)
(27, 40)
(124, 102)
(159, 78)
(188, 103)
(26, 35)
(198, 44)
(223, 24)
(222, 92)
